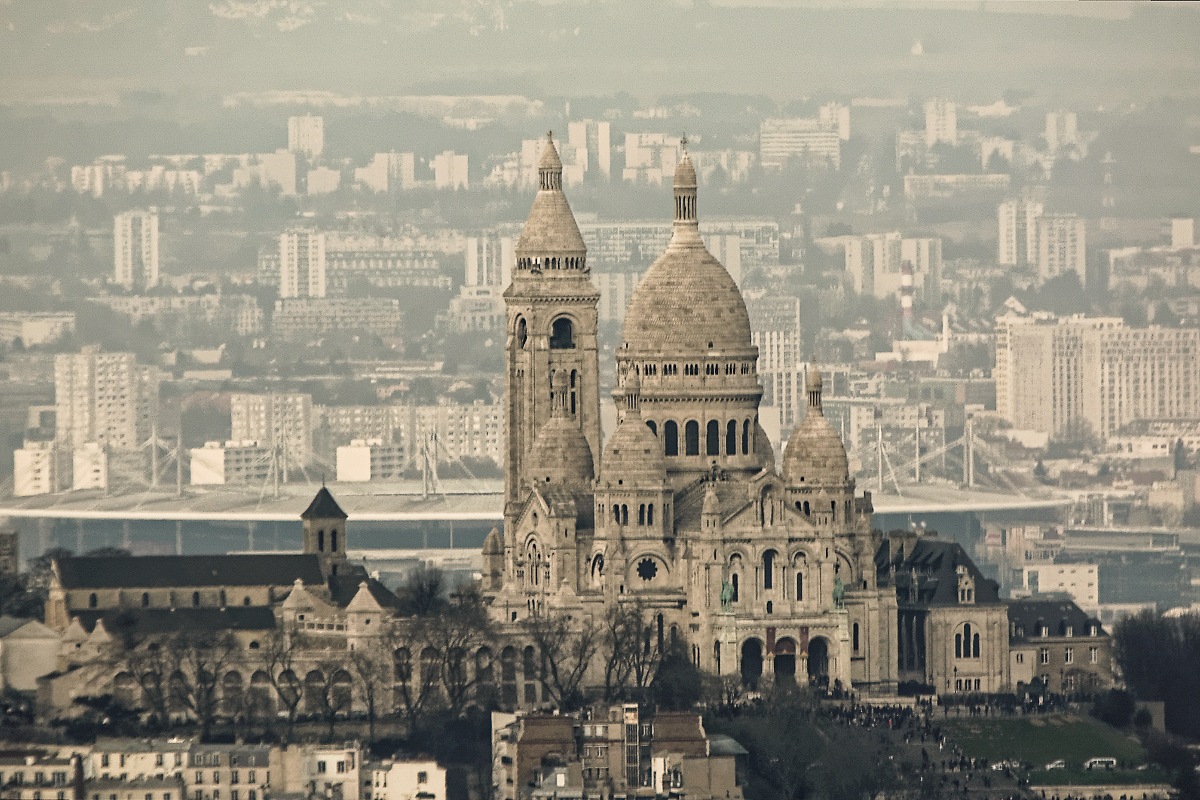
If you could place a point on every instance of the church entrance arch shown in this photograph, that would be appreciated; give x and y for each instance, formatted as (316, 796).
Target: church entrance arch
(752, 662)
(818, 661)
(785, 660)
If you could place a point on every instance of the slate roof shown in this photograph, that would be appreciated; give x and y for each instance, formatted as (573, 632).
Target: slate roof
(934, 563)
(128, 572)
(1027, 615)
(149, 621)
(342, 589)
(323, 506)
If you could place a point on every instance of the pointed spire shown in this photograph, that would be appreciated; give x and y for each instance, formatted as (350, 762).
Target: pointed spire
(550, 167)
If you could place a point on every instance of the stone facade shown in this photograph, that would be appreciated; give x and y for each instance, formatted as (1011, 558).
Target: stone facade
(682, 512)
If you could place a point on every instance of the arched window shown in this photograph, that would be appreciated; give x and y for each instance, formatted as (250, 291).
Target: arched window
(222, 598)
(746, 438)
(145, 599)
(691, 438)
(561, 334)
(855, 637)
(806, 508)
(833, 511)
(333, 541)
(196, 599)
(624, 514)
(731, 438)
(93, 601)
(958, 645)
(671, 438)
(653, 428)
(642, 514)
(522, 333)
(320, 541)
(769, 569)
(650, 514)
(574, 377)
(713, 438)
(975, 646)
(616, 513)
(799, 585)
(733, 582)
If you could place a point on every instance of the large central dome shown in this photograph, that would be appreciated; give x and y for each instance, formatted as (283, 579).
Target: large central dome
(687, 300)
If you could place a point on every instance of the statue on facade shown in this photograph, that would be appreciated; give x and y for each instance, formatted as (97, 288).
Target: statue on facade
(839, 593)
(726, 595)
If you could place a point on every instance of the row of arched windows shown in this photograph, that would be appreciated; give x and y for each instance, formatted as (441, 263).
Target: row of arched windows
(712, 437)
(966, 643)
(333, 541)
(551, 262)
(620, 513)
(710, 368)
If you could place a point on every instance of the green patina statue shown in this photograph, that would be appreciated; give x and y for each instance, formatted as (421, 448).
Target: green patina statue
(726, 595)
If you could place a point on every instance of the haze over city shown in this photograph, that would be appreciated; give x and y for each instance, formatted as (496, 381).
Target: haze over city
(517, 400)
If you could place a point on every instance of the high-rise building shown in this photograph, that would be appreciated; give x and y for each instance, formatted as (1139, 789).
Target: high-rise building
(135, 249)
(924, 254)
(591, 140)
(1061, 241)
(302, 263)
(650, 157)
(449, 171)
(306, 135)
(775, 331)
(941, 122)
(281, 422)
(1051, 374)
(1018, 233)
(810, 141)
(489, 260)
(106, 398)
(1061, 129)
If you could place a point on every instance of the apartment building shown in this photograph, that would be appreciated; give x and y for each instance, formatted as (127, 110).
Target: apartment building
(106, 398)
(300, 318)
(1016, 219)
(302, 263)
(810, 141)
(306, 135)
(281, 422)
(1051, 373)
(135, 249)
(1061, 241)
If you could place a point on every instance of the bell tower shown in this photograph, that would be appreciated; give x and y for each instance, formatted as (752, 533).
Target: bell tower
(324, 527)
(551, 327)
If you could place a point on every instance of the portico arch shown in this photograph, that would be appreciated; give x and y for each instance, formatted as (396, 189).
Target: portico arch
(785, 660)
(751, 662)
(818, 661)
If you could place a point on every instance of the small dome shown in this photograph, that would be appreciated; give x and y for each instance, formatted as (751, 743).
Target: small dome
(814, 454)
(561, 453)
(634, 454)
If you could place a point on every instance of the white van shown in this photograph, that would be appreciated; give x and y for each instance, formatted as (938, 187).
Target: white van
(1100, 763)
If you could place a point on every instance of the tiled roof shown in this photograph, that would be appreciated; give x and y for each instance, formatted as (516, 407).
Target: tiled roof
(323, 506)
(1027, 615)
(150, 621)
(933, 564)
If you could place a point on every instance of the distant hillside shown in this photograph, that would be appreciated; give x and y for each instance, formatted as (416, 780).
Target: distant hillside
(645, 47)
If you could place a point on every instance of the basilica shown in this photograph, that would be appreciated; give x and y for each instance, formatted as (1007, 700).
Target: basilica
(682, 510)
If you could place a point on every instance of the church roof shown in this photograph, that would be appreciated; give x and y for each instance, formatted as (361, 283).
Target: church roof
(323, 506)
(121, 572)
(632, 454)
(686, 300)
(561, 453)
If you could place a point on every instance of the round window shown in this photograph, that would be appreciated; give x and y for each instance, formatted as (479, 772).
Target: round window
(647, 569)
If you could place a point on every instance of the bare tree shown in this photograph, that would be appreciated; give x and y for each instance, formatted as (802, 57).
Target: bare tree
(198, 660)
(371, 668)
(416, 686)
(631, 650)
(454, 635)
(424, 592)
(566, 647)
(279, 651)
(333, 693)
(150, 667)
